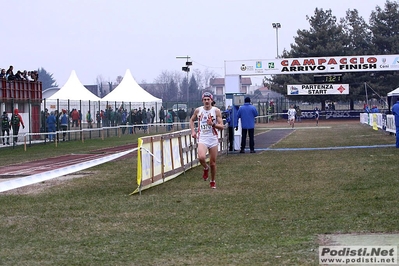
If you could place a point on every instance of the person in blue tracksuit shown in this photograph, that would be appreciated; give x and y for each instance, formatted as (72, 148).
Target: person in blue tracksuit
(247, 113)
(395, 112)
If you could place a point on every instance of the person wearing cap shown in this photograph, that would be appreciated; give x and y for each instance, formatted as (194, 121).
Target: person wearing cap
(395, 112)
(247, 114)
(5, 128)
(209, 120)
(16, 122)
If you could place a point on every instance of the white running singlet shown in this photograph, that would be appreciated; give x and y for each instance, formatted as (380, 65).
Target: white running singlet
(207, 134)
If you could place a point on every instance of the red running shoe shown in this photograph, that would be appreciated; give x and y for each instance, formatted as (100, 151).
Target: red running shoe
(212, 184)
(205, 174)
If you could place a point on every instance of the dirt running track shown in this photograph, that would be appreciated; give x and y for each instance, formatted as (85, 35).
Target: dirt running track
(34, 167)
(44, 165)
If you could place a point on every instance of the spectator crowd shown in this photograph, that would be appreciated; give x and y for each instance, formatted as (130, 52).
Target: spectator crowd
(139, 118)
(20, 75)
(131, 121)
(55, 120)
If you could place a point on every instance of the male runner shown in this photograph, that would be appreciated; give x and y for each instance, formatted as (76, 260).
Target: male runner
(209, 121)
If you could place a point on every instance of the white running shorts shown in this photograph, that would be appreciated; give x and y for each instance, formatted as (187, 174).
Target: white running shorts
(209, 142)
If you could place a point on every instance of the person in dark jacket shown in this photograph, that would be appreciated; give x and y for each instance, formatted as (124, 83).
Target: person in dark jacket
(181, 114)
(162, 115)
(5, 128)
(231, 119)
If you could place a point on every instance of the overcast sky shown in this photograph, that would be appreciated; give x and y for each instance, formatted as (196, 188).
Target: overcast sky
(106, 37)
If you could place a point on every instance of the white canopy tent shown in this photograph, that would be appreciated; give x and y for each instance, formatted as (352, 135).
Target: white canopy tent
(73, 95)
(130, 95)
(74, 90)
(393, 96)
(395, 92)
(130, 91)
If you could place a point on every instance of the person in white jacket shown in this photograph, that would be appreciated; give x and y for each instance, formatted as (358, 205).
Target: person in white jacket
(291, 116)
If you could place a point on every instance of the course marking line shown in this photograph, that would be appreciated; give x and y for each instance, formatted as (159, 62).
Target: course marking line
(328, 148)
(289, 128)
(36, 178)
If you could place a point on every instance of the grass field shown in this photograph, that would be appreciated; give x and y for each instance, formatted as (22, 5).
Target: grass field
(269, 208)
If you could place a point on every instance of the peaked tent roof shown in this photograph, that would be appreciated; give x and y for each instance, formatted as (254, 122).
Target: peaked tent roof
(74, 90)
(130, 91)
(395, 92)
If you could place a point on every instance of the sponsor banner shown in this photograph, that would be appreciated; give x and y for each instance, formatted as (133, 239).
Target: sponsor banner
(160, 158)
(309, 65)
(317, 89)
(164, 157)
(384, 121)
(364, 255)
(329, 114)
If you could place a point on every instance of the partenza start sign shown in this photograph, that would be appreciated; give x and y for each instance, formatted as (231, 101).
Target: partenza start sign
(317, 89)
(306, 65)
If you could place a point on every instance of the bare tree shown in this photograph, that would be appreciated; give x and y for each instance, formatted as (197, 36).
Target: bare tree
(100, 81)
(166, 82)
(162, 82)
(199, 78)
(118, 80)
(177, 76)
(110, 86)
(208, 74)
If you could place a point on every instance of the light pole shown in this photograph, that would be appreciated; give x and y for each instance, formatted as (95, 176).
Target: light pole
(187, 70)
(276, 26)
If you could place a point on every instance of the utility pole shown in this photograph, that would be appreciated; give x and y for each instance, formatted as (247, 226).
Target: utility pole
(187, 70)
(276, 26)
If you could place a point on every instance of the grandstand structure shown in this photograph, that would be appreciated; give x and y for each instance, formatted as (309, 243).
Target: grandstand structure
(24, 95)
